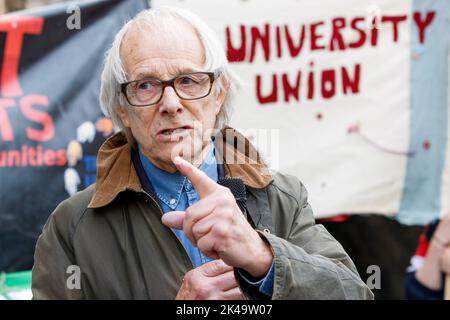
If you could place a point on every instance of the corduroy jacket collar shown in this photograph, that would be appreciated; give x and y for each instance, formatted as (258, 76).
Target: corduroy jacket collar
(116, 172)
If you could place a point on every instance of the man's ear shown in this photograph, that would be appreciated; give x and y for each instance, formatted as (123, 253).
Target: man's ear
(123, 114)
(220, 98)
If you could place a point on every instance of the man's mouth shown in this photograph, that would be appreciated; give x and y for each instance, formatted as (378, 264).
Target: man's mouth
(173, 134)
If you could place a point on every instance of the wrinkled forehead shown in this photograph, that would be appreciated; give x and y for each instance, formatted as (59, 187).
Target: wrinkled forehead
(169, 47)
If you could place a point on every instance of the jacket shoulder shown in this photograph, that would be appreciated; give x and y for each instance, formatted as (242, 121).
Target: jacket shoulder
(54, 250)
(69, 212)
(291, 187)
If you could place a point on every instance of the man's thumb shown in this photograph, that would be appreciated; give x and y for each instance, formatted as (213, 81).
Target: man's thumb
(173, 219)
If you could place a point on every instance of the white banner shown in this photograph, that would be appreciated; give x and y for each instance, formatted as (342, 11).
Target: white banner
(355, 91)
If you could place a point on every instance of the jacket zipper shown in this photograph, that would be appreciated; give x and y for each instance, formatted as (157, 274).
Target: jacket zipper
(161, 213)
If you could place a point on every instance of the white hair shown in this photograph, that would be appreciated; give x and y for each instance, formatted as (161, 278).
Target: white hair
(163, 17)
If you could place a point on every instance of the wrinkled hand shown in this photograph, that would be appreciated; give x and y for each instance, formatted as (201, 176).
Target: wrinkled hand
(212, 281)
(216, 225)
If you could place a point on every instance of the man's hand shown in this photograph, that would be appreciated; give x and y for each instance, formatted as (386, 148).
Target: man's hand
(216, 225)
(212, 281)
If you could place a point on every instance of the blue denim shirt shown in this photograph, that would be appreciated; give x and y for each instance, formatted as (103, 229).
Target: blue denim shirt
(176, 193)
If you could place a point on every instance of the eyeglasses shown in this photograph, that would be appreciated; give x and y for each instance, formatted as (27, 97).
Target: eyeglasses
(149, 91)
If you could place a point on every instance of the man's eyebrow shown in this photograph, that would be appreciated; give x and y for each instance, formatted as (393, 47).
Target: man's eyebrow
(155, 74)
(146, 74)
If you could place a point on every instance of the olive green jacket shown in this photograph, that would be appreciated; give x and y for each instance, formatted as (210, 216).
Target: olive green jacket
(112, 232)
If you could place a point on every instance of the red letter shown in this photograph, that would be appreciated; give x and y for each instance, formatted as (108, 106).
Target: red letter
(15, 28)
(374, 32)
(395, 21)
(263, 38)
(294, 50)
(273, 97)
(422, 25)
(315, 37)
(43, 118)
(362, 34)
(5, 125)
(288, 89)
(49, 158)
(14, 158)
(311, 82)
(328, 76)
(61, 159)
(278, 41)
(338, 24)
(235, 55)
(346, 82)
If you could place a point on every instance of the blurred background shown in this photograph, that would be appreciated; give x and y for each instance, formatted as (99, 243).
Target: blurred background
(350, 96)
(15, 5)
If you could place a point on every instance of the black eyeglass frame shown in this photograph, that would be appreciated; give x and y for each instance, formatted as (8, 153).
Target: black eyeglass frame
(167, 83)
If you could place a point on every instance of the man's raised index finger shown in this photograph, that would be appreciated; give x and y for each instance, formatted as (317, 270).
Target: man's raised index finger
(201, 182)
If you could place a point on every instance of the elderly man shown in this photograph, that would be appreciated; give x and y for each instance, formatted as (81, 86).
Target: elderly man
(181, 210)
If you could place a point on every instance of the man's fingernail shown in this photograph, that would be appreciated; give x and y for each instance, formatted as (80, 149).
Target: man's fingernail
(177, 160)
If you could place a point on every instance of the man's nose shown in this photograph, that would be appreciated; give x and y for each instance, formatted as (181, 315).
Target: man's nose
(170, 102)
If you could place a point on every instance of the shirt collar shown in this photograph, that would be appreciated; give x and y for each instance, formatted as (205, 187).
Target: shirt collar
(169, 186)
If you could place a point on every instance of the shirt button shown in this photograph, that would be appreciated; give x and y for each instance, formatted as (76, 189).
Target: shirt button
(188, 187)
(172, 201)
